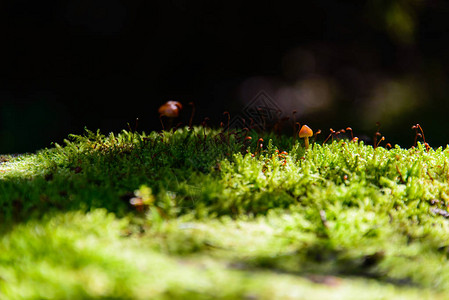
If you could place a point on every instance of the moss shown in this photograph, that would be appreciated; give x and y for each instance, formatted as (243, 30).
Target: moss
(207, 214)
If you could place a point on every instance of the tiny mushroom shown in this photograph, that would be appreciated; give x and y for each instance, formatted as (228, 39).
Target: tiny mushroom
(305, 133)
(170, 109)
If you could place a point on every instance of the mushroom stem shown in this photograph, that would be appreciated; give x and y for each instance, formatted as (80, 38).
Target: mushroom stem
(306, 141)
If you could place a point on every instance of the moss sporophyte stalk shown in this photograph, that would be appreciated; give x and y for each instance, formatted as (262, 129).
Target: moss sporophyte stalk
(205, 213)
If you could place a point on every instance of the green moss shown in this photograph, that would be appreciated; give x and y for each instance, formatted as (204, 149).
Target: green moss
(204, 213)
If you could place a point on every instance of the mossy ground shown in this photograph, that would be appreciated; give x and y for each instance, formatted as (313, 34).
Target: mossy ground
(216, 215)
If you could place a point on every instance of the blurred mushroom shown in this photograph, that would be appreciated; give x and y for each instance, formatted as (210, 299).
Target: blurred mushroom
(169, 110)
(305, 133)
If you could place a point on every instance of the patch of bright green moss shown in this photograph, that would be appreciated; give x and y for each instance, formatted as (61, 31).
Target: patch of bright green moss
(216, 215)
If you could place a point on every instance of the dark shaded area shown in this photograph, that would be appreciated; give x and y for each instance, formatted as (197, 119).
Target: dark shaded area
(100, 64)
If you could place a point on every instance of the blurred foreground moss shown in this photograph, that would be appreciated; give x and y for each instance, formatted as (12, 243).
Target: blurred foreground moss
(206, 214)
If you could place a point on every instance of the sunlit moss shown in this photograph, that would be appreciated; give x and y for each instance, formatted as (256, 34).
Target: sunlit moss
(222, 217)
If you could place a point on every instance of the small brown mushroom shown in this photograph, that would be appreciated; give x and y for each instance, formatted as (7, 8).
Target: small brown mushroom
(305, 133)
(170, 109)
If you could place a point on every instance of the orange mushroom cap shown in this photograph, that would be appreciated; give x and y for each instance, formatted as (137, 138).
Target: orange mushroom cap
(170, 109)
(305, 132)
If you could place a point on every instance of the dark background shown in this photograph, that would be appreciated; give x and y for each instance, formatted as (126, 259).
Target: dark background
(101, 64)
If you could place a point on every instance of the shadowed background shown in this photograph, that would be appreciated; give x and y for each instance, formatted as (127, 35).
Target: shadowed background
(69, 64)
